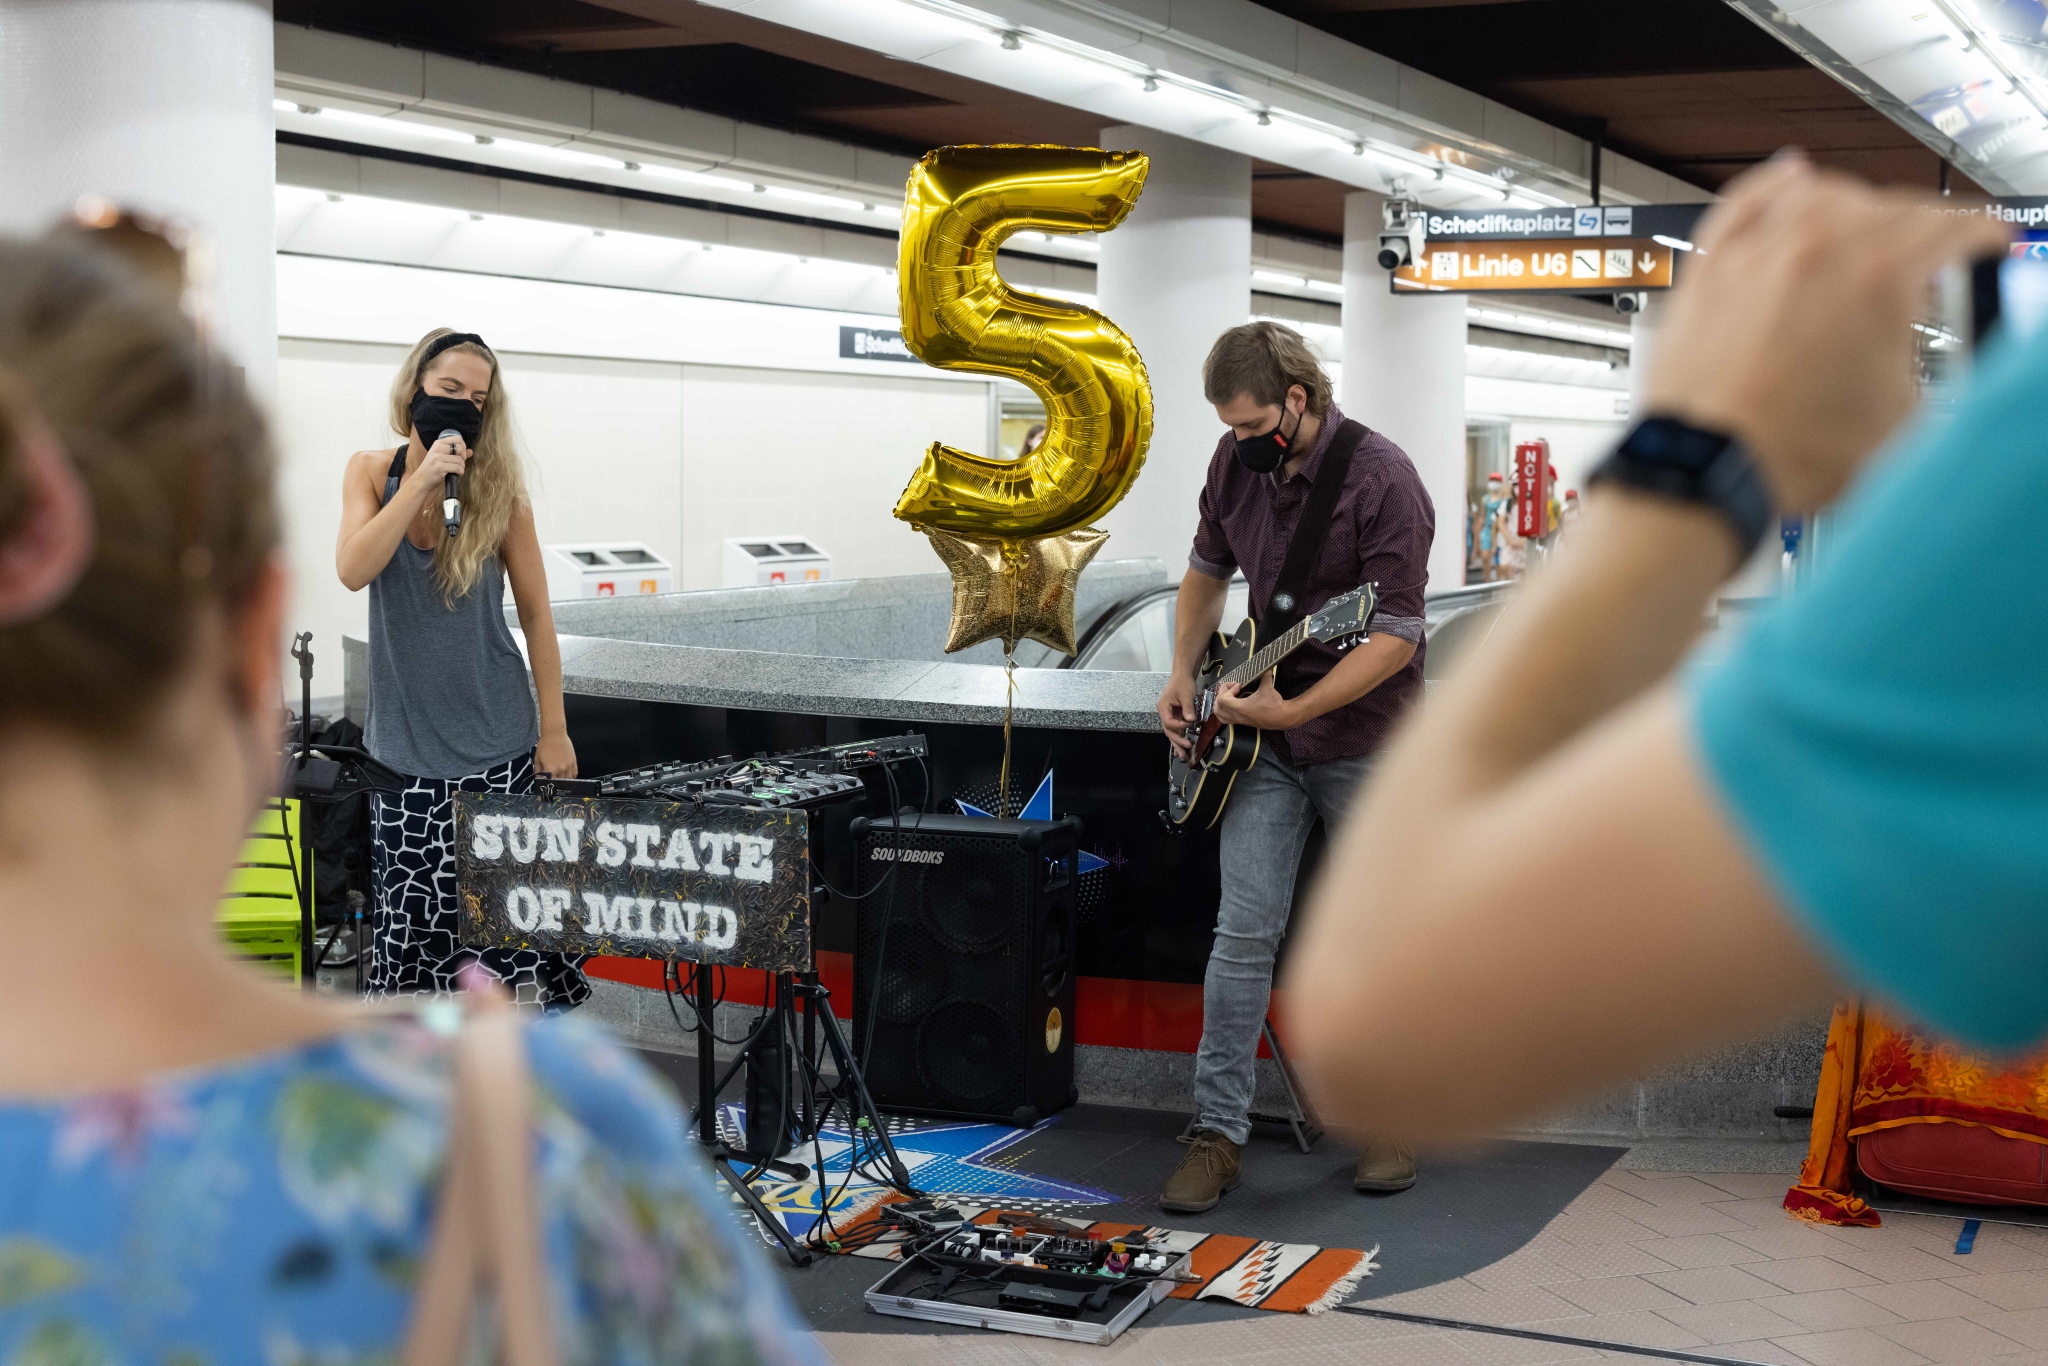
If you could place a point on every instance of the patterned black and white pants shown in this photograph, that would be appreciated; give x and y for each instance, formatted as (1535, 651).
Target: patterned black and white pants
(415, 935)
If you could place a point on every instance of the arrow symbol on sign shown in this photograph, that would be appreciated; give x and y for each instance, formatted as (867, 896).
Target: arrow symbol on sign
(1647, 263)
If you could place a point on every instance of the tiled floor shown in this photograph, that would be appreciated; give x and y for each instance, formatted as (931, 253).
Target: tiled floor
(1702, 1262)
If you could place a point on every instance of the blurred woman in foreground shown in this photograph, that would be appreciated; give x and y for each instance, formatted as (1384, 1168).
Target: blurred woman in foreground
(194, 1164)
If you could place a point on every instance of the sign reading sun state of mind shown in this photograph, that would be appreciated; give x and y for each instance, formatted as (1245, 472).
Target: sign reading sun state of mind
(635, 878)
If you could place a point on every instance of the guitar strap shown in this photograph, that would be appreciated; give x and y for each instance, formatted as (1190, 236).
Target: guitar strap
(1305, 547)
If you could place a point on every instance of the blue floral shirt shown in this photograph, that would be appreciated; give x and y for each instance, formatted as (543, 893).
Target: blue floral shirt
(275, 1212)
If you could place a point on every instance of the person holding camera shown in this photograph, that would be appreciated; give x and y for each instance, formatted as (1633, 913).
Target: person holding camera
(450, 702)
(1855, 798)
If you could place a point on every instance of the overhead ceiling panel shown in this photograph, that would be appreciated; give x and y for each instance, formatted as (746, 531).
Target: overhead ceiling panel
(1691, 87)
(1968, 78)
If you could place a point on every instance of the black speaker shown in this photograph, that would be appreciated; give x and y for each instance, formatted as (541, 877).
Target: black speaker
(964, 965)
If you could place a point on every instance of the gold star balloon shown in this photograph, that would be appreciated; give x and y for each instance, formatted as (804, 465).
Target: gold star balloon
(1015, 590)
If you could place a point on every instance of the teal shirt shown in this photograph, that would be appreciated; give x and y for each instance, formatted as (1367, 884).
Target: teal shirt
(1881, 738)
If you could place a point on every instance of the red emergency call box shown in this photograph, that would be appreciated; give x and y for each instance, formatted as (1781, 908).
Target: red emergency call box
(1532, 489)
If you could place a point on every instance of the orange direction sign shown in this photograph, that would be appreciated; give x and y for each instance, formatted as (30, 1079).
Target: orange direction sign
(1570, 263)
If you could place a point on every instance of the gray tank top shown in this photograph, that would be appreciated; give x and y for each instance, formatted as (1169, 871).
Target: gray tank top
(449, 695)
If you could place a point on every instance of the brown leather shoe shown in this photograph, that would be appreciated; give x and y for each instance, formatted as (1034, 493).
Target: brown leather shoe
(1387, 1164)
(1209, 1169)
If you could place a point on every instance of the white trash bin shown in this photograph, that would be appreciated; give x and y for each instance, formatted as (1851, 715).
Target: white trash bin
(751, 561)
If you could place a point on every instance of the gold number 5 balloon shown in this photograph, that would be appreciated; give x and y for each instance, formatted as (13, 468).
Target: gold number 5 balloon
(959, 314)
(1015, 534)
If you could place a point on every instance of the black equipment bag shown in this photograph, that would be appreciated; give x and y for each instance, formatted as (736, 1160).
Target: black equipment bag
(341, 839)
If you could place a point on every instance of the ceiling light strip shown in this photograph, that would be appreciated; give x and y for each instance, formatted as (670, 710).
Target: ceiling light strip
(487, 146)
(1016, 36)
(437, 215)
(1992, 48)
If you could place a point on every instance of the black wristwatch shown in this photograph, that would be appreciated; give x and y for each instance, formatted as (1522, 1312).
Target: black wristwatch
(1677, 460)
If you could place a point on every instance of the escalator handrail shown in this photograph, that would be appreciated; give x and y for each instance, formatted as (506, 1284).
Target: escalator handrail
(1470, 593)
(1121, 611)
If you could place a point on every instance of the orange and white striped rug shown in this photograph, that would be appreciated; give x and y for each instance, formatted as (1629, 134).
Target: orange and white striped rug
(1288, 1278)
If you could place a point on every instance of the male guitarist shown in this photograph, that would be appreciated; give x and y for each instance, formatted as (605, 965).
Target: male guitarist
(1308, 505)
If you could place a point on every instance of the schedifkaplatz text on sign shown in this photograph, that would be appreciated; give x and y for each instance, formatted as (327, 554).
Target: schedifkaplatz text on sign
(1557, 223)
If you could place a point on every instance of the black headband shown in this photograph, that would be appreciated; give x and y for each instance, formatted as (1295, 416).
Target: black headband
(442, 343)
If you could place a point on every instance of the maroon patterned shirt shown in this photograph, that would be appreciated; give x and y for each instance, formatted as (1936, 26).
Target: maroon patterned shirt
(1380, 533)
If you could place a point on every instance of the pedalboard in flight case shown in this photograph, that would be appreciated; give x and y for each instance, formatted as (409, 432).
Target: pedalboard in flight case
(1026, 1275)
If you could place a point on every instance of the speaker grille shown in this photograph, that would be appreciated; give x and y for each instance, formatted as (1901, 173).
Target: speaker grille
(965, 910)
(913, 979)
(966, 1054)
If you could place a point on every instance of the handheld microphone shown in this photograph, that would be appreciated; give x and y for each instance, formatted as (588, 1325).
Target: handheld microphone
(451, 506)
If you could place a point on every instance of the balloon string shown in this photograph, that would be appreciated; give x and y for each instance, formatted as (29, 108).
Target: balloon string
(1009, 705)
(1010, 568)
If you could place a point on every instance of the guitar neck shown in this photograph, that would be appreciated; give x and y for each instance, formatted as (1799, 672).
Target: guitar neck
(1258, 664)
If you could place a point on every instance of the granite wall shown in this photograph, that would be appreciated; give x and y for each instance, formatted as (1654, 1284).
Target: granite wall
(765, 647)
(901, 617)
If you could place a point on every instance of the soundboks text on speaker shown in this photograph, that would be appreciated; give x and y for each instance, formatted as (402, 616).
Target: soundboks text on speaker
(636, 878)
(887, 855)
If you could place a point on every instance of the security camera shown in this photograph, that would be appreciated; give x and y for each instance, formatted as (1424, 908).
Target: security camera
(1630, 303)
(1401, 241)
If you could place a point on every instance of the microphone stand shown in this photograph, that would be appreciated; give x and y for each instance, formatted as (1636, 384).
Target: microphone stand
(322, 774)
(302, 650)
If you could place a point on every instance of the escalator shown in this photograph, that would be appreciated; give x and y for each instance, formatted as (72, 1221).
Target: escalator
(1136, 633)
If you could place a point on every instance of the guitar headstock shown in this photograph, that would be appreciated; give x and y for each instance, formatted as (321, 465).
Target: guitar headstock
(1347, 615)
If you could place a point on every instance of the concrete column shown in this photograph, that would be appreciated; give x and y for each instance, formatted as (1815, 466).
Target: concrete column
(1404, 375)
(162, 106)
(1174, 276)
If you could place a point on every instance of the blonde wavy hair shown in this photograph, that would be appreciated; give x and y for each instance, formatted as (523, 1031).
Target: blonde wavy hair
(494, 484)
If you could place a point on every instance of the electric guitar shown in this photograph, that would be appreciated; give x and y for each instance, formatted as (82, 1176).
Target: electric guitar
(1198, 787)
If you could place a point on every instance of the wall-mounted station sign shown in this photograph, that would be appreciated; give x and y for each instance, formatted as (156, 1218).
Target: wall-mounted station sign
(1607, 263)
(1675, 221)
(635, 878)
(873, 343)
(1576, 250)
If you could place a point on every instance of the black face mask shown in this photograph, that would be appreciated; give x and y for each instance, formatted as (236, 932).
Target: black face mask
(1262, 454)
(433, 414)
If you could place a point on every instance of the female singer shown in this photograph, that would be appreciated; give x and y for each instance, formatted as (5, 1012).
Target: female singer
(449, 703)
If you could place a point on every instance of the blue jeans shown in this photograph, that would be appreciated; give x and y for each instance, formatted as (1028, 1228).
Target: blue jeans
(1271, 811)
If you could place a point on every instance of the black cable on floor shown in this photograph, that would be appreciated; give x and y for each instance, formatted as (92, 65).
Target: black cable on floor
(1663, 1353)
